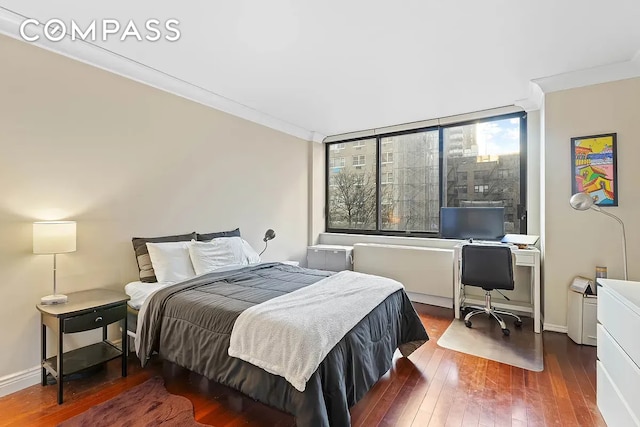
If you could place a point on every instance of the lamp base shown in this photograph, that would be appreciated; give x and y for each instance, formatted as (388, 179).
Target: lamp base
(53, 299)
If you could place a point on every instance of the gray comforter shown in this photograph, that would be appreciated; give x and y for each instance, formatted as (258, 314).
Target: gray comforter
(190, 324)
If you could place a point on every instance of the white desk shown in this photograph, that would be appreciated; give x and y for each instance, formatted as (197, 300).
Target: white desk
(524, 257)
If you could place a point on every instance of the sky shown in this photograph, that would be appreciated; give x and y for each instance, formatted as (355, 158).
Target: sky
(498, 137)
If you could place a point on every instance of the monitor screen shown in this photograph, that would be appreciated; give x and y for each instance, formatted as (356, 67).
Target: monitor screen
(472, 223)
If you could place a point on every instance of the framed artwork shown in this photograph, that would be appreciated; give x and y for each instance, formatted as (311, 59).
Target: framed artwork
(594, 165)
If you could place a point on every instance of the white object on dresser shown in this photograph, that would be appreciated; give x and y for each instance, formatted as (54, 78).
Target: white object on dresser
(618, 365)
(582, 317)
(330, 257)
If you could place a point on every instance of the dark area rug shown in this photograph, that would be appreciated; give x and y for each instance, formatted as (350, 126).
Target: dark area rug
(147, 404)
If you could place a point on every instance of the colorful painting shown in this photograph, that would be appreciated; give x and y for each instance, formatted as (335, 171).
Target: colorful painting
(593, 160)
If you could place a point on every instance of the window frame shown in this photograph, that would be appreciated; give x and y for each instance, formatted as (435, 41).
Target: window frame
(521, 209)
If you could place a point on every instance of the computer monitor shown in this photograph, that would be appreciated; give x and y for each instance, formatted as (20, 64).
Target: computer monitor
(472, 223)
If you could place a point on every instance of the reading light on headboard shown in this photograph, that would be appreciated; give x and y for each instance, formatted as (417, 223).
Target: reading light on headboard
(268, 235)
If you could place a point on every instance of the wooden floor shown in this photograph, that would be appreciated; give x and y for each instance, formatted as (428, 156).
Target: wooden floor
(434, 387)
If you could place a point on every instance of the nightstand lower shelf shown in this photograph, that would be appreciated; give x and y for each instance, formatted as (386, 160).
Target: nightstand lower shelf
(84, 311)
(82, 358)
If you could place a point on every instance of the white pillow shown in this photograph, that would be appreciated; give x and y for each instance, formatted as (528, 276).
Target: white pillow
(171, 261)
(250, 255)
(218, 253)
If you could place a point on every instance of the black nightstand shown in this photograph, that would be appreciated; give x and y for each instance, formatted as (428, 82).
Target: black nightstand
(84, 311)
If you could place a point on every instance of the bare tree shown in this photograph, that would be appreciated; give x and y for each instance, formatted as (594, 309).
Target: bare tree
(353, 200)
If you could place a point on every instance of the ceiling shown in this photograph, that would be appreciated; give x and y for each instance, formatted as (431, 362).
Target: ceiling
(335, 66)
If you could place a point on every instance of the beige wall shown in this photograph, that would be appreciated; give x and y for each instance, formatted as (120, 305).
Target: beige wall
(576, 242)
(123, 160)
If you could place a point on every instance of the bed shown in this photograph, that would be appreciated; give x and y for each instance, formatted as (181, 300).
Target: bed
(190, 324)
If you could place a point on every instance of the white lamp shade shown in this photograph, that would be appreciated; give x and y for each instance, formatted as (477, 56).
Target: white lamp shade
(581, 202)
(54, 237)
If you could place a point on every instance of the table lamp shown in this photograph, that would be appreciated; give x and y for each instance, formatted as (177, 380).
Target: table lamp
(54, 237)
(583, 202)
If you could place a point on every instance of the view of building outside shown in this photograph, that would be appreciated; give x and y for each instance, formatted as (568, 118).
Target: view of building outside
(413, 198)
(352, 185)
(481, 163)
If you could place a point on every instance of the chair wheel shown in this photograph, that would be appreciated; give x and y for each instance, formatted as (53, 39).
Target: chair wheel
(506, 332)
(518, 323)
(467, 323)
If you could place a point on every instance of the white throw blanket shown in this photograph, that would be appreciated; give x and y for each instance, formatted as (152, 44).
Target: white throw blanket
(290, 335)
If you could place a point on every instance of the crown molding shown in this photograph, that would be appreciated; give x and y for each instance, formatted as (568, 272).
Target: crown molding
(534, 101)
(579, 78)
(318, 137)
(107, 60)
(591, 76)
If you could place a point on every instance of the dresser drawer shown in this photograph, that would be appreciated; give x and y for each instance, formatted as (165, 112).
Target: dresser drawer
(95, 319)
(620, 322)
(621, 369)
(613, 408)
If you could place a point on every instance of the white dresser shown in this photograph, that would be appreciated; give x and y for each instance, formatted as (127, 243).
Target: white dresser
(618, 365)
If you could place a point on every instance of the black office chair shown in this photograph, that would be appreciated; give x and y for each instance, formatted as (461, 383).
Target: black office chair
(488, 267)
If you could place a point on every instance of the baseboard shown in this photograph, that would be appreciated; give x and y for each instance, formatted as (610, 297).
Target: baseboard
(431, 300)
(554, 328)
(19, 380)
(23, 379)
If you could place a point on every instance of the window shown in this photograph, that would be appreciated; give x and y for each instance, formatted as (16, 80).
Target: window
(492, 153)
(482, 174)
(412, 202)
(387, 178)
(352, 193)
(477, 163)
(358, 160)
(336, 162)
